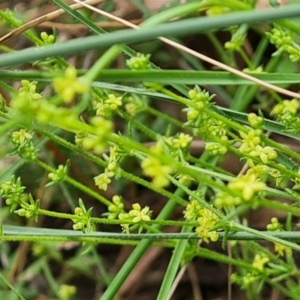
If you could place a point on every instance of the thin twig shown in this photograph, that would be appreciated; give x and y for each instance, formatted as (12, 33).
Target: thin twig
(102, 24)
(44, 18)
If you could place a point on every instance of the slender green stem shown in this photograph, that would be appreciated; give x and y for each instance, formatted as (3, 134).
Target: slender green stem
(173, 266)
(77, 184)
(103, 62)
(163, 116)
(49, 277)
(177, 28)
(137, 253)
(11, 286)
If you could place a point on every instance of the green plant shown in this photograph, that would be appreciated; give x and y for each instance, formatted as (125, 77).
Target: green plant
(76, 132)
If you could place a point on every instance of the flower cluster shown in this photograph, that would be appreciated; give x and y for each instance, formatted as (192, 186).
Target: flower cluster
(47, 39)
(192, 210)
(218, 148)
(255, 121)
(159, 172)
(285, 112)
(84, 221)
(66, 292)
(134, 105)
(29, 210)
(115, 208)
(205, 218)
(107, 105)
(13, 192)
(206, 222)
(223, 199)
(251, 145)
(28, 90)
(201, 101)
(279, 248)
(104, 179)
(211, 129)
(139, 62)
(243, 188)
(177, 145)
(258, 264)
(25, 101)
(97, 141)
(26, 106)
(283, 41)
(59, 174)
(154, 168)
(22, 141)
(136, 216)
(247, 185)
(69, 85)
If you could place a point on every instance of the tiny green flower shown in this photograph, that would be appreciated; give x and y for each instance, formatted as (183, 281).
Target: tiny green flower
(184, 179)
(255, 121)
(13, 192)
(225, 200)
(60, 173)
(215, 148)
(125, 217)
(113, 101)
(116, 208)
(103, 180)
(29, 89)
(139, 62)
(274, 225)
(139, 215)
(237, 41)
(21, 137)
(48, 39)
(67, 87)
(84, 223)
(280, 38)
(192, 114)
(66, 292)
(182, 141)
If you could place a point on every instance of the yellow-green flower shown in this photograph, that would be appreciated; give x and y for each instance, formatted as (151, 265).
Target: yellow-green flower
(20, 137)
(182, 141)
(152, 167)
(286, 106)
(282, 249)
(103, 180)
(250, 140)
(248, 184)
(138, 214)
(116, 207)
(259, 262)
(264, 153)
(66, 292)
(207, 221)
(69, 85)
(192, 210)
